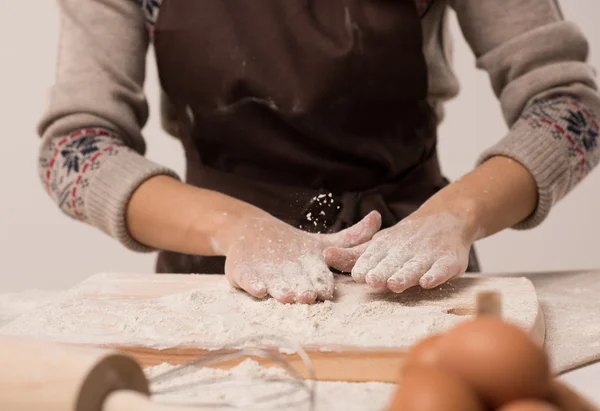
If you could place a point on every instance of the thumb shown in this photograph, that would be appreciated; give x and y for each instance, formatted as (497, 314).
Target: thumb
(356, 234)
(343, 259)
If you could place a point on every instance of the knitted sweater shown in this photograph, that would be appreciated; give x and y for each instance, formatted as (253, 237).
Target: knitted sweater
(91, 156)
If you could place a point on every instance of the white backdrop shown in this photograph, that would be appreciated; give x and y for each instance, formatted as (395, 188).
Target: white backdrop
(41, 248)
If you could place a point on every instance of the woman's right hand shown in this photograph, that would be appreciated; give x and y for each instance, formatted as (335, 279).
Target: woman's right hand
(266, 256)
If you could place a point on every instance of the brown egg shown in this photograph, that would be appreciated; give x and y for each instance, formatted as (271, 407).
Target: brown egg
(529, 405)
(425, 352)
(433, 389)
(498, 359)
(566, 399)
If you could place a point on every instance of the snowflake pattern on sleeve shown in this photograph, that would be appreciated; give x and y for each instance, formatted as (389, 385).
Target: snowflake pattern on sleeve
(150, 9)
(570, 121)
(68, 164)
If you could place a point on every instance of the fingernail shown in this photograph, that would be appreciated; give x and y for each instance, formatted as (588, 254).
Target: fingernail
(375, 280)
(426, 280)
(326, 295)
(357, 276)
(399, 282)
(397, 285)
(287, 294)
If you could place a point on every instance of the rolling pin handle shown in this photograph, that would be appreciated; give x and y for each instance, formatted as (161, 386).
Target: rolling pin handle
(126, 400)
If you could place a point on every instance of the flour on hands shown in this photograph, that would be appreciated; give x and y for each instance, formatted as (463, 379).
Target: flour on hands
(419, 250)
(270, 257)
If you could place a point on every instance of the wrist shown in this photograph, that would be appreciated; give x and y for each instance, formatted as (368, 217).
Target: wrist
(464, 208)
(496, 195)
(170, 215)
(227, 224)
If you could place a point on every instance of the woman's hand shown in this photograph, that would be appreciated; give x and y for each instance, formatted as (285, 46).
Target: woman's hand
(268, 257)
(422, 250)
(263, 254)
(432, 245)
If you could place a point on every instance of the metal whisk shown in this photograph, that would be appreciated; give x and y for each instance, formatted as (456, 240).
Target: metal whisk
(287, 392)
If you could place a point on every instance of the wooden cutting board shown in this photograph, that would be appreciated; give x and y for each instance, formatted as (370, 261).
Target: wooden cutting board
(361, 336)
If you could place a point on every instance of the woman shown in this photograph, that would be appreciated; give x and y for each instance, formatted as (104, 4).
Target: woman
(308, 125)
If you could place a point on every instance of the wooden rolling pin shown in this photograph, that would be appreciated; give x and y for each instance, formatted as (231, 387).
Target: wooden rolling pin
(38, 376)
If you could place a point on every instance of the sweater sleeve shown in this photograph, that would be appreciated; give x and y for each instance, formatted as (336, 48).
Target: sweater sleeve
(91, 154)
(537, 63)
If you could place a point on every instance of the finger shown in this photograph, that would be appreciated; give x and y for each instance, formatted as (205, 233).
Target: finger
(305, 291)
(409, 275)
(245, 278)
(292, 284)
(366, 263)
(378, 276)
(344, 259)
(281, 293)
(441, 271)
(357, 234)
(322, 279)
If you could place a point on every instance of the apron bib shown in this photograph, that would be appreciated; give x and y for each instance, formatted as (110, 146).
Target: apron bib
(314, 111)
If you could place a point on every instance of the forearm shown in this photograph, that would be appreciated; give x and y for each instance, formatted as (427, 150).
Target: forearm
(496, 195)
(537, 63)
(167, 214)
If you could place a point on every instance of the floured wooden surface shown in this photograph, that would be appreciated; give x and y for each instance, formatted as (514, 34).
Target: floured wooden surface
(203, 311)
(571, 306)
(13, 305)
(570, 302)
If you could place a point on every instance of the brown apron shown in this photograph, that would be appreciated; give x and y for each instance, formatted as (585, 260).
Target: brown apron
(314, 111)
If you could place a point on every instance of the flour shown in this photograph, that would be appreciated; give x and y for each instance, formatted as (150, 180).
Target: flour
(16, 304)
(571, 305)
(569, 301)
(319, 221)
(250, 382)
(216, 315)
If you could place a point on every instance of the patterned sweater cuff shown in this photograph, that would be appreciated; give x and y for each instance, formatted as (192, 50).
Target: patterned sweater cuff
(91, 174)
(112, 187)
(556, 140)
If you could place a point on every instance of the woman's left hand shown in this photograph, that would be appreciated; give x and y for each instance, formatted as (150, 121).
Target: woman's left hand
(423, 249)
(432, 245)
